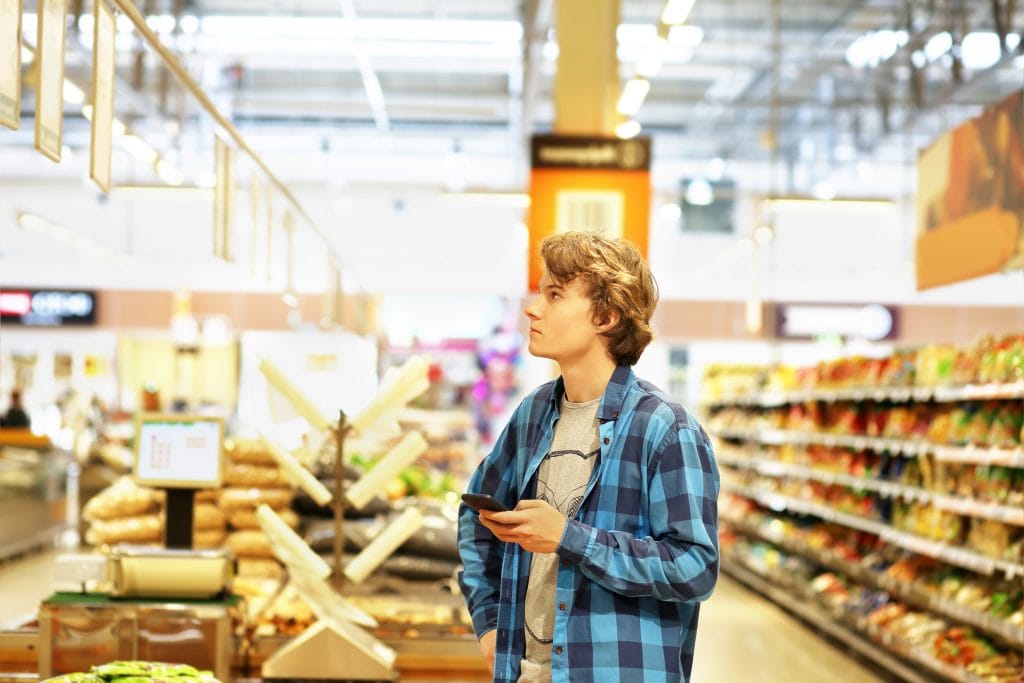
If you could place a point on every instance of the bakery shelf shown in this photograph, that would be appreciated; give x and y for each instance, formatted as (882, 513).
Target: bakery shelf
(918, 544)
(909, 593)
(970, 507)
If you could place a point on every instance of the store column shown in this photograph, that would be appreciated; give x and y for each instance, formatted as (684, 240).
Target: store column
(587, 81)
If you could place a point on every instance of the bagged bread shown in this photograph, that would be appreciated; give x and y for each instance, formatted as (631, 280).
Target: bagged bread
(207, 516)
(250, 498)
(249, 543)
(203, 539)
(123, 498)
(259, 568)
(249, 451)
(138, 529)
(207, 496)
(246, 519)
(245, 475)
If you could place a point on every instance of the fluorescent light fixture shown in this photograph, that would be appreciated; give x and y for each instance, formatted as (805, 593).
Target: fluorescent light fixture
(824, 191)
(628, 129)
(676, 11)
(686, 35)
(633, 96)
(519, 200)
(980, 50)
(170, 173)
(938, 45)
(811, 205)
(139, 149)
(654, 56)
(699, 192)
(72, 93)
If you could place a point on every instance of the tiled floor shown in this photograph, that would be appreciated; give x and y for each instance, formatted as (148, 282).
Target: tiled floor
(742, 637)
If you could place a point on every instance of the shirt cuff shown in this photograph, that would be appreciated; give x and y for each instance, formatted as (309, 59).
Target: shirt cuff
(576, 540)
(484, 620)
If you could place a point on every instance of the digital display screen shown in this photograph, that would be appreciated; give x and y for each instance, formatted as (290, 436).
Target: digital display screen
(178, 451)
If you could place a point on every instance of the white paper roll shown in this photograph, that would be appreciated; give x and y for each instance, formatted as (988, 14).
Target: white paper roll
(397, 459)
(295, 473)
(397, 533)
(305, 407)
(289, 546)
(398, 389)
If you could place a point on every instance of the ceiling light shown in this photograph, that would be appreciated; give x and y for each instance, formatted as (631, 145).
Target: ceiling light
(633, 96)
(653, 57)
(980, 50)
(628, 129)
(139, 149)
(810, 205)
(824, 191)
(938, 45)
(72, 93)
(918, 59)
(676, 11)
(763, 234)
(687, 35)
(699, 193)
(189, 24)
(519, 200)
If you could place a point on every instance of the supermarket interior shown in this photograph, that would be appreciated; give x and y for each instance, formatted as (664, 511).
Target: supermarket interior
(263, 272)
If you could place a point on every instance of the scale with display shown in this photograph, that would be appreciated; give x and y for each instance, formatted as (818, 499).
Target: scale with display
(180, 454)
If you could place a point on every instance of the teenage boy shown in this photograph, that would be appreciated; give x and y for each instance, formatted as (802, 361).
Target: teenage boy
(597, 572)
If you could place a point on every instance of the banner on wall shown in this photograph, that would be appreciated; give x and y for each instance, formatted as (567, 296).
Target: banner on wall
(588, 183)
(10, 63)
(970, 198)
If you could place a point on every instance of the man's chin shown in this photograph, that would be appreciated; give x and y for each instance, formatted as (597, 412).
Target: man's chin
(534, 351)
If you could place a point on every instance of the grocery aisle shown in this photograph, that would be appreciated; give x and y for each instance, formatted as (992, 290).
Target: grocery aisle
(24, 583)
(744, 637)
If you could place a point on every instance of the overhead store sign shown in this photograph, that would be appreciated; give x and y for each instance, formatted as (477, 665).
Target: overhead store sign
(970, 198)
(47, 307)
(807, 321)
(588, 183)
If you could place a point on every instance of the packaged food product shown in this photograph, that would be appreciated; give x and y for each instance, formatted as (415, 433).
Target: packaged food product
(249, 451)
(259, 568)
(246, 519)
(249, 543)
(250, 498)
(245, 475)
(123, 498)
(207, 516)
(137, 529)
(208, 538)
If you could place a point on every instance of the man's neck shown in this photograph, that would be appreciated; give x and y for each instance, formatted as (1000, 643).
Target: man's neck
(586, 378)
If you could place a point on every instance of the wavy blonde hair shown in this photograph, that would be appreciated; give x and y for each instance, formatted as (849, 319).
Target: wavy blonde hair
(618, 279)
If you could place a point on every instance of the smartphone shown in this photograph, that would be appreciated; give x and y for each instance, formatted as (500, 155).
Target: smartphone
(482, 501)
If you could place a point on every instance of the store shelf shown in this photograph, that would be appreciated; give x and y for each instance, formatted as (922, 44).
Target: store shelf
(969, 392)
(909, 593)
(918, 544)
(1007, 457)
(962, 506)
(823, 621)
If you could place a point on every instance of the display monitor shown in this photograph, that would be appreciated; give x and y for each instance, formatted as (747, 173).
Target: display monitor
(179, 451)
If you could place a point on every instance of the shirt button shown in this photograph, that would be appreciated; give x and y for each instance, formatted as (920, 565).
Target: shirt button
(561, 606)
(615, 413)
(607, 440)
(558, 650)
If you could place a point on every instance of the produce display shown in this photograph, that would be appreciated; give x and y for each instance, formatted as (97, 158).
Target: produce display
(138, 672)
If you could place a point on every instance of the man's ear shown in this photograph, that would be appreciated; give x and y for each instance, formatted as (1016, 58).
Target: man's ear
(609, 321)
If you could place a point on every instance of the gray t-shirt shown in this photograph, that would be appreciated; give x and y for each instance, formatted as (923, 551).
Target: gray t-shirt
(561, 481)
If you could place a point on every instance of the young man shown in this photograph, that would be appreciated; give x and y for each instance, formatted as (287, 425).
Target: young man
(597, 572)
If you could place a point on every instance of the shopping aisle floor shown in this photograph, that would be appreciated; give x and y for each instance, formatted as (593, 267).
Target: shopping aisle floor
(744, 637)
(25, 581)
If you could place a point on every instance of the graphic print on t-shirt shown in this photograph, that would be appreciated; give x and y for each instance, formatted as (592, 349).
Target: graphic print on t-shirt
(567, 502)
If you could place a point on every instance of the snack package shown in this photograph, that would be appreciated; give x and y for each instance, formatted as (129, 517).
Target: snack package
(249, 543)
(207, 516)
(246, 519)
(123, 498)
(208, 538)
(251, 498)
(138, 529)
(248, 451)
(244, 475)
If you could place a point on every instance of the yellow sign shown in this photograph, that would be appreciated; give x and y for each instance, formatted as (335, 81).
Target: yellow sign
(50, 91)
(102, 94)
(10, 63)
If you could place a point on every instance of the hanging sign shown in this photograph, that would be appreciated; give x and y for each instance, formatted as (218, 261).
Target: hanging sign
(102, 94)
(10, 63)
(47, 307)
(588, 183)
(50, 90)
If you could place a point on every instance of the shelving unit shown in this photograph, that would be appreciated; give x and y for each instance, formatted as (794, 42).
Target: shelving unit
(770, 464)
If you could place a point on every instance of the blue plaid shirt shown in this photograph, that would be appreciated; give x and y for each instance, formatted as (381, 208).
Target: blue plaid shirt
(633, 562)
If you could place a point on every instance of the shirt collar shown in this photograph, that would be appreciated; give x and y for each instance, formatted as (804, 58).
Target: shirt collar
(614, 393)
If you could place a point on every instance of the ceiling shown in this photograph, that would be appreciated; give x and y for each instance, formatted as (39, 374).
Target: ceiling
(462, 83)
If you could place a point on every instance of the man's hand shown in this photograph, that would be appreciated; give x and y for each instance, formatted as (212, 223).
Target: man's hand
(488, 641)
(535, 525)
